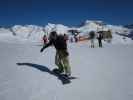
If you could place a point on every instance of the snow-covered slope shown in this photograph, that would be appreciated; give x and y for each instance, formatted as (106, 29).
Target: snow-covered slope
(5, 32)
(34, 33)
(102, 73)
(117, 39)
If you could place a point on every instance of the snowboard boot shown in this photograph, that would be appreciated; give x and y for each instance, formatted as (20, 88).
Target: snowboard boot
(67, 74)
(56, 70)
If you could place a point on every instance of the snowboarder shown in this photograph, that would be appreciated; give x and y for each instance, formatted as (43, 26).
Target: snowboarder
(61, 58)
(99, 38)
(92, 36)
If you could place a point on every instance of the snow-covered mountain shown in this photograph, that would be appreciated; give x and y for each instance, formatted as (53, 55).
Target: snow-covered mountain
(35, 33)
(59, 28)
(101, 26)
(30, 32)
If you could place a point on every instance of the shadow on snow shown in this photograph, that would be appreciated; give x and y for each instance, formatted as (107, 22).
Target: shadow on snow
(42, 68)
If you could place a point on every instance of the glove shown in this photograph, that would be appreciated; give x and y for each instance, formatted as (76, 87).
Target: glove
(41, 50)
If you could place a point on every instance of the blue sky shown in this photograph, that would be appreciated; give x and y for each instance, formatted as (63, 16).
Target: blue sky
(67, 12)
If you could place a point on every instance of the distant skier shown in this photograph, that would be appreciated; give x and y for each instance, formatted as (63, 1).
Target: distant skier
(45, 39)
(71, 38)
(76, 37)
(99, 38)
(92, 36)
(61, 58)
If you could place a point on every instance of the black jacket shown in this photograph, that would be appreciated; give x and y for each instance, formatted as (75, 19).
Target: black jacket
(59, 43)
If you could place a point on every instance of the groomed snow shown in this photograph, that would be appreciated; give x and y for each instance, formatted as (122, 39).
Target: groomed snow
(102, 73)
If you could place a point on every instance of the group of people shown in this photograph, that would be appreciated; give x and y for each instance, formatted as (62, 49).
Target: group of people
(99, 37)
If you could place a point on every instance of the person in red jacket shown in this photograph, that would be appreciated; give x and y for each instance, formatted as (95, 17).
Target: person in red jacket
(45, 39)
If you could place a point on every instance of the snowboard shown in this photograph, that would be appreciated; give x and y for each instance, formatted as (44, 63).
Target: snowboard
(64, 78)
